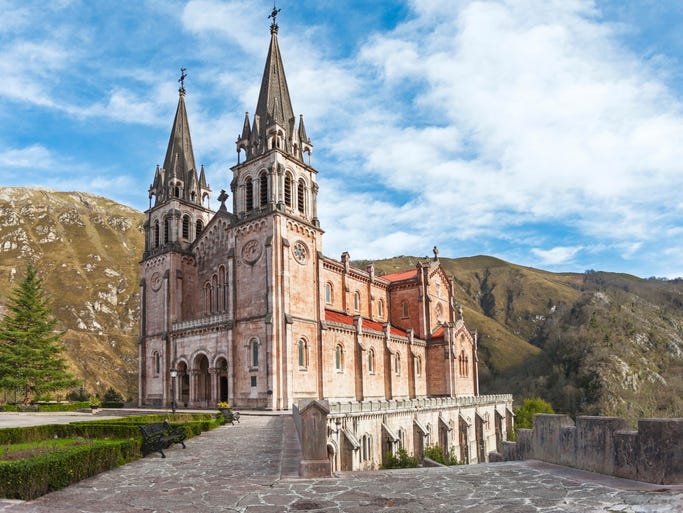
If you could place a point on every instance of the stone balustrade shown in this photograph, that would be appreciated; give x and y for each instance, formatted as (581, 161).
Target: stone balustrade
(202, 322)
(352, 407)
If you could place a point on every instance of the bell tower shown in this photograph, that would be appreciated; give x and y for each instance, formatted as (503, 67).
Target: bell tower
(178, 212)
(276, 172)
(278, 238)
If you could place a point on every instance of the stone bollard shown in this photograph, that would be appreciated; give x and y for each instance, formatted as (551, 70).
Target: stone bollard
(314, 461)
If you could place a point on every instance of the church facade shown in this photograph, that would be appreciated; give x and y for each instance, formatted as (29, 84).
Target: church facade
(244, 307)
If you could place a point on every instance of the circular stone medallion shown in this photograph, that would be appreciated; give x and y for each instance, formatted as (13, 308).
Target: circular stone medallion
(300, 252)
(251, 251)
(156, 281)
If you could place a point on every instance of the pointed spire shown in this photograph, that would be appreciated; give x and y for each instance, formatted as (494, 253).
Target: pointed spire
(302, 130)
(246, 128)
(274, 123)
(202, 179)
(274, 89)
(179, 155)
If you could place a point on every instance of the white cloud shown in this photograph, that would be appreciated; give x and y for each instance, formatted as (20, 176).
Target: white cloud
(557, 255)
(30, 157)
(519, 113)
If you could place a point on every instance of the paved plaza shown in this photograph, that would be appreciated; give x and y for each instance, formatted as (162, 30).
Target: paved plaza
(251, 468)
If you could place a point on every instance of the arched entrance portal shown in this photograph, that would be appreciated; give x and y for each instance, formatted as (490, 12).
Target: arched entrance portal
(222, 379)
(183, 384)
(202, 381)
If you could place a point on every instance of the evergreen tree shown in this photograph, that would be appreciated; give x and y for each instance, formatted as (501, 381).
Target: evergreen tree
(30, 349)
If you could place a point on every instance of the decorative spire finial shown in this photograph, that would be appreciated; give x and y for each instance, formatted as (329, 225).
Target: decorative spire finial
(273, 14)
(182, 78)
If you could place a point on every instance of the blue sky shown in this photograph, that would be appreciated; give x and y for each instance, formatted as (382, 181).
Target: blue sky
(544, 132)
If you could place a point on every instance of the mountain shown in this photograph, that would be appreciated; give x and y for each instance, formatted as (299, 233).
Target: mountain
(590, 343)
(86, 249)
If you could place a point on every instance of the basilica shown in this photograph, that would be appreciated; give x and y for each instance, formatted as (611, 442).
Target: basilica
(242, 305)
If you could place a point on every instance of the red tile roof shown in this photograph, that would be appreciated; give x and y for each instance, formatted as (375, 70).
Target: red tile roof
(403, 275)
(338, 317)
(438, 333)
(341, 318)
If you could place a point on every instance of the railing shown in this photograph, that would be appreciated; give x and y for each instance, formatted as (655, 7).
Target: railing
(420, 403)
(202, 322)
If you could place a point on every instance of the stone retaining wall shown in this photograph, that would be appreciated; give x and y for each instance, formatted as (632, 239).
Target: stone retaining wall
(653, 454)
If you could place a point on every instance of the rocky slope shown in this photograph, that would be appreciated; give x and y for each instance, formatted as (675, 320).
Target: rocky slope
(86, 249)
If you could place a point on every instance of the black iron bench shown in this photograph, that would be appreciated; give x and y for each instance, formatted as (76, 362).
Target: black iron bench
(161, 435)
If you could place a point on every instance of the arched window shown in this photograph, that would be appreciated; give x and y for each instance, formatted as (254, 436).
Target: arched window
(263, 189)
(176, 192)
(254, 352)
(356, 301)
(198, 228)
(207, 297)
(328, 293)
(300, 196)
(156, 360)
(380, 309)
(216, 293)
(288, 190)
(186, 227)
(371, 361)
(167, 230)
(224, 287)
(339, 358)
(250, 194)
(156, 233)
(418, 366)
(439, 312)
(397, 364)
(404, 308)
(462, 363)
(303, 353)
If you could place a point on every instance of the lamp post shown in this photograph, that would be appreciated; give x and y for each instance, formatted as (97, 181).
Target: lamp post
(174, 375)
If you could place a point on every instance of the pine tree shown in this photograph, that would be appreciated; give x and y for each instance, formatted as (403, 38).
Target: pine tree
(30, 348)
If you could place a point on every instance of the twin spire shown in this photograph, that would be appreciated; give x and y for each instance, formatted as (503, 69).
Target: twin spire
(178, 176)
(274, 124)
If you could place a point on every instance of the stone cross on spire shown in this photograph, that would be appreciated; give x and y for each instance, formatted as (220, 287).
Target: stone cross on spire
(273, 14)
(182, 78)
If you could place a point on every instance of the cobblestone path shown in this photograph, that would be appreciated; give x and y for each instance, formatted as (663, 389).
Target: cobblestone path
(242, 469)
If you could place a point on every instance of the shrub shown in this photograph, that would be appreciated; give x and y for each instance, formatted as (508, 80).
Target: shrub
(112, 396)
(402, 461)
(525, 414)
(78, 395)
(435, 453)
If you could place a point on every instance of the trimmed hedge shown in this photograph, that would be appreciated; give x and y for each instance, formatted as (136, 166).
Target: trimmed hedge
(115, 442)
(31, 478)
(48, 407)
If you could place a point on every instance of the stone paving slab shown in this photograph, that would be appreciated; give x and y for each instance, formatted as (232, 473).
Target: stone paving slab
(241, 468)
